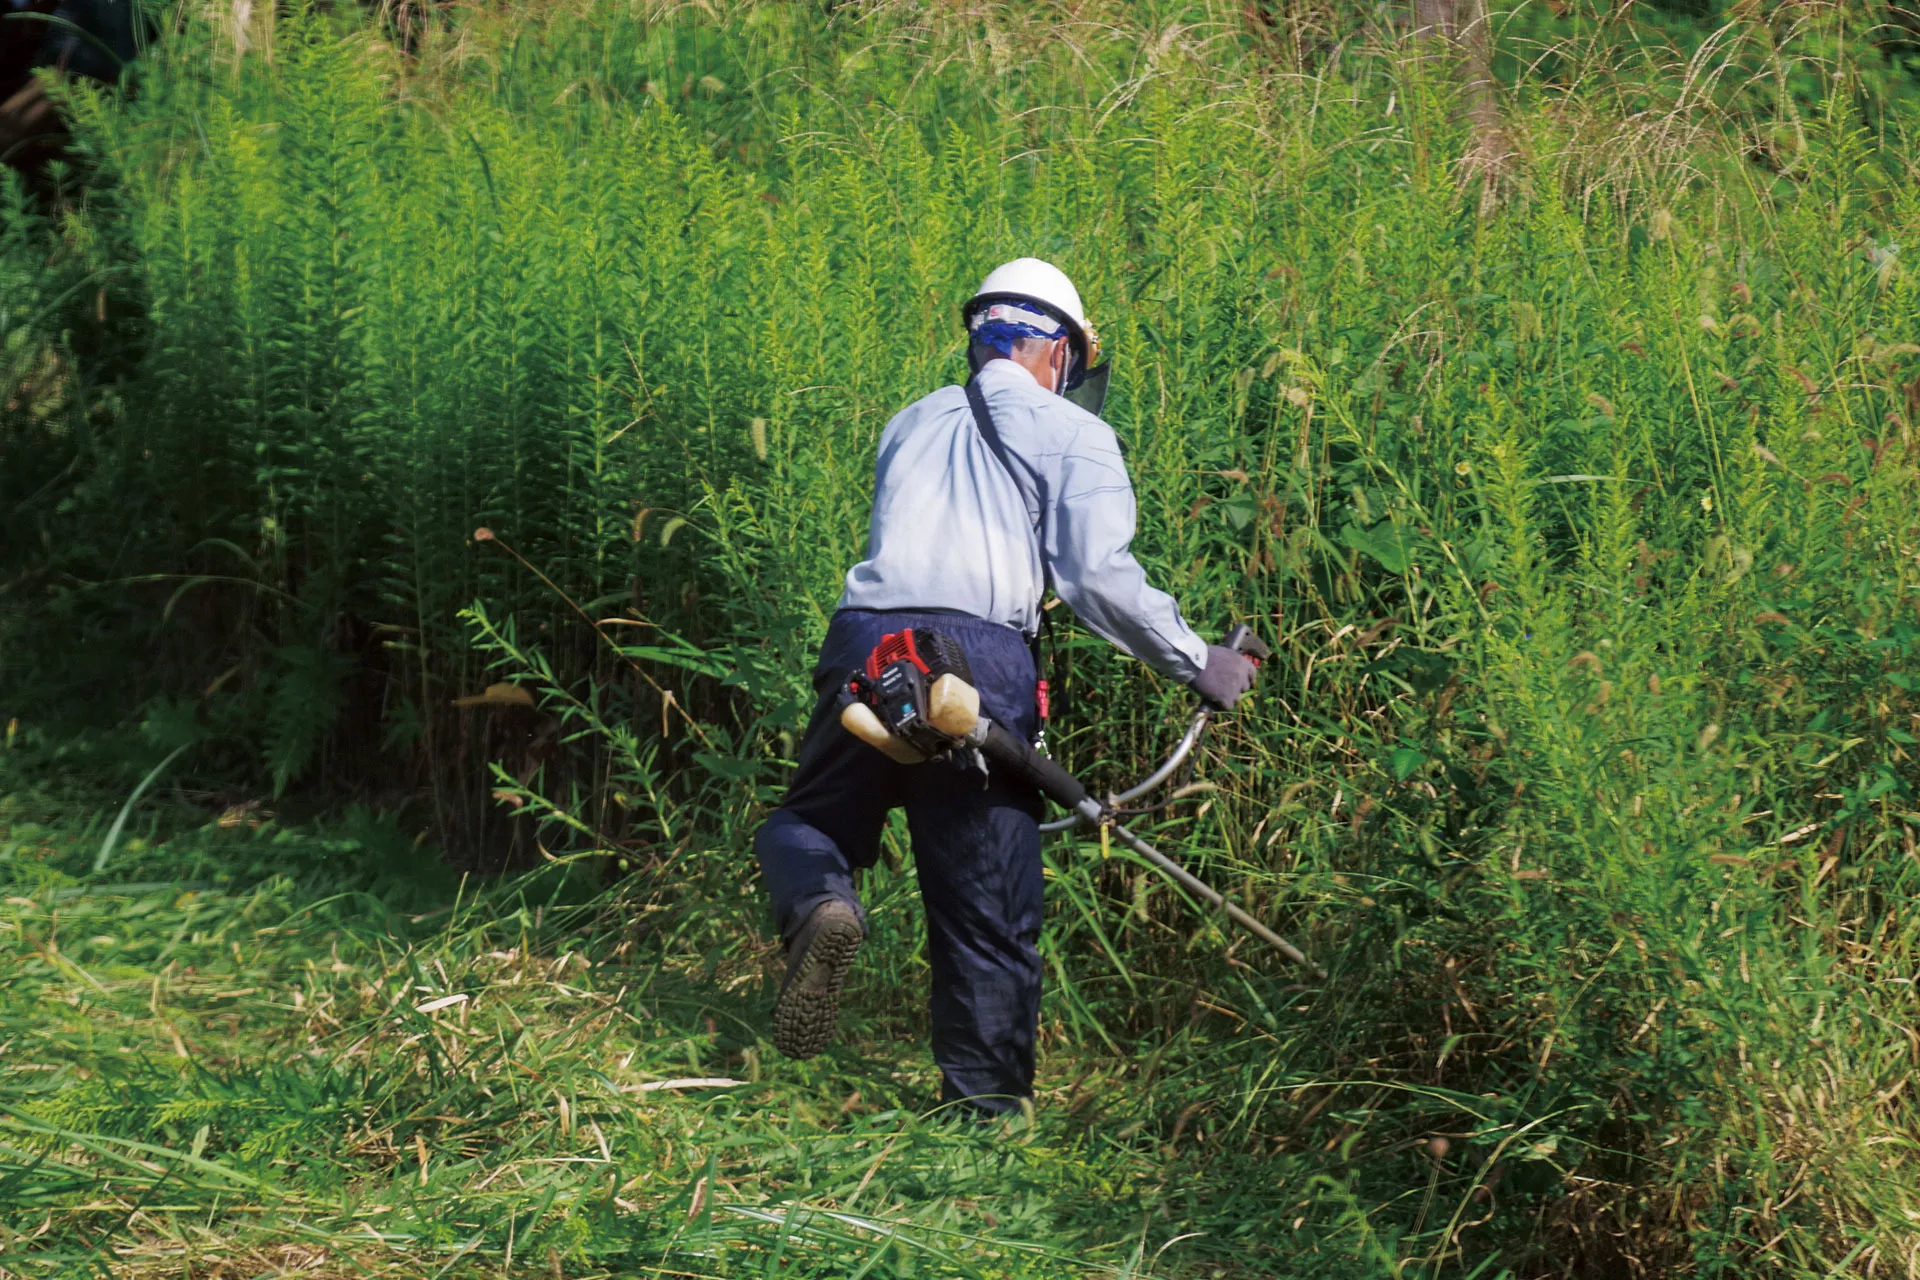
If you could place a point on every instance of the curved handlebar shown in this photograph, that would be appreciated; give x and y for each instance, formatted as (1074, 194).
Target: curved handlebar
(1240, 639)
(1188, 741)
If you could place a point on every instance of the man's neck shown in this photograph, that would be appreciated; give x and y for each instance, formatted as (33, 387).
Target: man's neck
(1040, 376)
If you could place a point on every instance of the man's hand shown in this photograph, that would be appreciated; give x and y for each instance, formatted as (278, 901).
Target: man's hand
(1228, 675)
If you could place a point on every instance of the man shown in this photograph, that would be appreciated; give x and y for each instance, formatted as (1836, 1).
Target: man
(984, 496)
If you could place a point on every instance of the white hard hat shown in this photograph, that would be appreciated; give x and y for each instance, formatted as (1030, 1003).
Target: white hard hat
(1031, 282)
(1037, 280)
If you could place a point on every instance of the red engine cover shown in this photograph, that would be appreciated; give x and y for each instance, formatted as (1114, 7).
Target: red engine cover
(896, 647)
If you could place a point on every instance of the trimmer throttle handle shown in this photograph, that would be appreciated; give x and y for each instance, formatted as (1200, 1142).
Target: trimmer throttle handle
(1060, 786)
(1242, 640)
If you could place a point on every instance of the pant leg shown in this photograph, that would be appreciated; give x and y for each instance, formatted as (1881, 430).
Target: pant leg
(976, 848)
(831, 818)
(804, 866)
(977, 856)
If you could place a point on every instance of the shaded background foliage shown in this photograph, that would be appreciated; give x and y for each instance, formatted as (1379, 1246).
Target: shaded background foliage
(552, 345)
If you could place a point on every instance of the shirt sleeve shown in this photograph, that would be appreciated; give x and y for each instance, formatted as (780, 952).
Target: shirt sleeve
(1091, 532)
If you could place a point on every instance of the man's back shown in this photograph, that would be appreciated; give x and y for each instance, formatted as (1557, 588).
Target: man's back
(952, 529)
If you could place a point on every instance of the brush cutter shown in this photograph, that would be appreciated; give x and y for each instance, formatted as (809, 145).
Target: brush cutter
(914, 700)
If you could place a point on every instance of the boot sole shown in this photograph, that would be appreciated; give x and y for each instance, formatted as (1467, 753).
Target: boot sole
(808, 1011)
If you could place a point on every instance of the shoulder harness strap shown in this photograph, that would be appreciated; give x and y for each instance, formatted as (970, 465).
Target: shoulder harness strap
(983, 419)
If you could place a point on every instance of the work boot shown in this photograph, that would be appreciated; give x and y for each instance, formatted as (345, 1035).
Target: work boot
(818, 958)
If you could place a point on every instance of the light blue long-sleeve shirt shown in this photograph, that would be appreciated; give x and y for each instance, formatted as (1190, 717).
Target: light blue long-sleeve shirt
(952, 530)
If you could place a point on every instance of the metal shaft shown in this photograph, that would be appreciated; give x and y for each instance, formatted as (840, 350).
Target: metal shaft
(1093, 812)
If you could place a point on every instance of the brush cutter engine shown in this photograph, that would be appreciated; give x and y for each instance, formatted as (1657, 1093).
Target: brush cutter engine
(914, 699)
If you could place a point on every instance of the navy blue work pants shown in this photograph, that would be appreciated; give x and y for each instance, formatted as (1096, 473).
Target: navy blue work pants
(976, 850)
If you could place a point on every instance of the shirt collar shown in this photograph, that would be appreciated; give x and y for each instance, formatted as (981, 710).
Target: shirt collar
(987, 372)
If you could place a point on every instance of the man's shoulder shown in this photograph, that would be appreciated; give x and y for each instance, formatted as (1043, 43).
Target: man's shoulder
(929, 409)
(932, 405)
(1053, 415)
(1076, 430)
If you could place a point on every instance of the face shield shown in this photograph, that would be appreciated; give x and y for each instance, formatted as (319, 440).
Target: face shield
(1089, 391)
(1087, 378)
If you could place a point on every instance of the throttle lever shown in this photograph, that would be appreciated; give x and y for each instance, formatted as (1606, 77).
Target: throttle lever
(1242, 640)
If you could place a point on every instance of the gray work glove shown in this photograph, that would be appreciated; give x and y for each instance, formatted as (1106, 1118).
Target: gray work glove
(1228, 675)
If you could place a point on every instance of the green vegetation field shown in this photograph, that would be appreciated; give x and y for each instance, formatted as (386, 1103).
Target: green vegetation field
(430, 443)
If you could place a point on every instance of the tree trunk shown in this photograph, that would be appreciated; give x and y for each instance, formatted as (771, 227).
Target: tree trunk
(1433, 19)
(1464, 29)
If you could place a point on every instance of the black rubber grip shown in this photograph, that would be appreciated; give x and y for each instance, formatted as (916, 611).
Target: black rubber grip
(1060, 786)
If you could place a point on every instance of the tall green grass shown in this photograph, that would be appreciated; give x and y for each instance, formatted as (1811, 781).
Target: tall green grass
(1586, 531)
